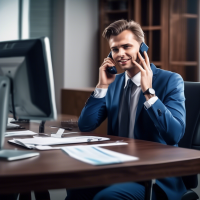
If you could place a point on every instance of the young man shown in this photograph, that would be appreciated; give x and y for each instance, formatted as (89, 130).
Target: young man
(144, 103)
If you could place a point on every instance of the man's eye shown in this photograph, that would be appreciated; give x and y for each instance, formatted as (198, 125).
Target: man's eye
(125, 47)
(114, 50)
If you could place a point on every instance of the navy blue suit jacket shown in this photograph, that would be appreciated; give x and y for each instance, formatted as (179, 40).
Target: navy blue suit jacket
(163, 122)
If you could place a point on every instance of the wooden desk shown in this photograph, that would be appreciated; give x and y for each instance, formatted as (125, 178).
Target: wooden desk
(55, 169)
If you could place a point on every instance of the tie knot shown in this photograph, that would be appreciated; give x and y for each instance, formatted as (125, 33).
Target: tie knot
(129, 83)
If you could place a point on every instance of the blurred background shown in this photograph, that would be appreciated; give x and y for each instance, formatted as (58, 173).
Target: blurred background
(74, 28)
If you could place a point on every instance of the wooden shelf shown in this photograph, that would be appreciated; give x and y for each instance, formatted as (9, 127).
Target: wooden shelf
(115, 11)
(184, 40)
(186, 15)
(171, 32)
(151, 28)
(184, 63)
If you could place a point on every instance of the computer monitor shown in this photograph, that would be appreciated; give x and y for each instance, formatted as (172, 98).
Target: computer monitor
(26, 81)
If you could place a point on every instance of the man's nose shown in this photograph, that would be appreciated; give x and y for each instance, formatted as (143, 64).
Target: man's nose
(121, 52)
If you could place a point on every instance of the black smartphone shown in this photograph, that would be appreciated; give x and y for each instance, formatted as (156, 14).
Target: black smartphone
(111, 70)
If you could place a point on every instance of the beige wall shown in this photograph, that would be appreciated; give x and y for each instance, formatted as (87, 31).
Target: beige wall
(81, 43)
(74, 44)
(9, 17)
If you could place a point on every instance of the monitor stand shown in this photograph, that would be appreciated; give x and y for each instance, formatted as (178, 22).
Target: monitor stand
(7, 154)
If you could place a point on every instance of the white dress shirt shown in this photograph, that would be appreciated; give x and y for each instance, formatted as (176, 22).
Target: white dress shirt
(135, 95)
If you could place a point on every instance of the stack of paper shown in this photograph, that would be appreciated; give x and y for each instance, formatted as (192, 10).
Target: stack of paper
(56, 141)
(46, 147)
(96, 155)
(20, 133)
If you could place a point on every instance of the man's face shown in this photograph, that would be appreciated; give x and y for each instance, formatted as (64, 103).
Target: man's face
(124, 49)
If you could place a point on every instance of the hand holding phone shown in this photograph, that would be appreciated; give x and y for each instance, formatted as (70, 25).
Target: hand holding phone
(111, 70)
(145, 68)
(105, 78)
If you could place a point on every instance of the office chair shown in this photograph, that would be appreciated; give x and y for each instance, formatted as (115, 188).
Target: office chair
(191, 138)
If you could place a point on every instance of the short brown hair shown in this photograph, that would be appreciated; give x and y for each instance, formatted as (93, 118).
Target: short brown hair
(121, 25)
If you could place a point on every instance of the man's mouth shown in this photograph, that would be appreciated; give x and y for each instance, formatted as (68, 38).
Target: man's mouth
(123, 61)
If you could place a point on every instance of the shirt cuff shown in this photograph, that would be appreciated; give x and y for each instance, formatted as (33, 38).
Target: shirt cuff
(100, 92)
(150, 102)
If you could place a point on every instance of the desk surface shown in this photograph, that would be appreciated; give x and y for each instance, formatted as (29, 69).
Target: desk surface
(55, 169)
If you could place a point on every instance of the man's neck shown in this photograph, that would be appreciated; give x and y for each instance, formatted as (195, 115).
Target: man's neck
(132, 72)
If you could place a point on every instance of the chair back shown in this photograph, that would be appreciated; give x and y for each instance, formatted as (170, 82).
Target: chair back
(191, 138)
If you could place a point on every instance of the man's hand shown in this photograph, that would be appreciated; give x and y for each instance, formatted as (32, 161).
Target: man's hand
(105, 78)
(146, 73)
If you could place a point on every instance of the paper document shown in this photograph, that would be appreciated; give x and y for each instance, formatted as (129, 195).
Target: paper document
(45, 148)
(59, 133)
(10, 125)
(56, 141)
(97, 155)
(10, 120)
(21, 144)
(20, 133)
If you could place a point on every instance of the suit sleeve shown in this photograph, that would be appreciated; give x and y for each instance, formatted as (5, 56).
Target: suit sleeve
(169, 114)
(93, 114)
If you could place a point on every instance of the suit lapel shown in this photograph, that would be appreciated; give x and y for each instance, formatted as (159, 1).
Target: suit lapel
(116, 102)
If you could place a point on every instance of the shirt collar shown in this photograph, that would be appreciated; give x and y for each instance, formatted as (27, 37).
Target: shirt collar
(136, 79)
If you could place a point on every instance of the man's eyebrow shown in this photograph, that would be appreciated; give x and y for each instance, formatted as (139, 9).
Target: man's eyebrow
(114, 47)
(128, 44)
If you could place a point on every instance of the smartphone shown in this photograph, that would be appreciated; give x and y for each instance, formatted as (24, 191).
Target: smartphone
(113, 70)
(143, 47)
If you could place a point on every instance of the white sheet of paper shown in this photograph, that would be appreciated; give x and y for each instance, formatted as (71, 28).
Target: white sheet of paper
(45, 148)
(59, 133)
(20, 133)
(11, 125)
(29, 146)
(69, 133)
(55, 141)
(97, 155)
(10, 120)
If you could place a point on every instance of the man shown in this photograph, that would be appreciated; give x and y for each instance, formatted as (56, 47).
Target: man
(154, 116)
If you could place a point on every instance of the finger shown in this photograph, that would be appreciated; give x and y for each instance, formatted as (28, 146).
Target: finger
(106, 65)
(147, 60)
(143, 61)
(139, 66)
(109, 60)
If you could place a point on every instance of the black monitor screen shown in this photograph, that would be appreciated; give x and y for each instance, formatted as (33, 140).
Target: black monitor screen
(28, 65)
